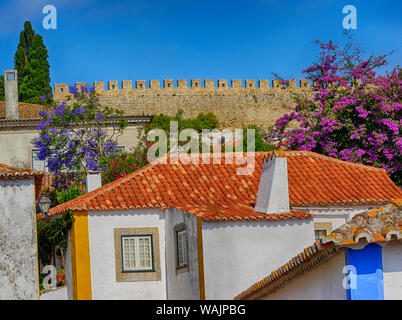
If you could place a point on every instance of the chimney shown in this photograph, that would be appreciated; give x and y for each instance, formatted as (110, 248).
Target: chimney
(93, 180)
(273, 192)
(11, 93)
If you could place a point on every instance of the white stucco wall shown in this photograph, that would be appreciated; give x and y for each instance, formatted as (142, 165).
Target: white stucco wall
(238, 254)
(337, 215)
(182, 285)
(392, 270)
(16, 147)
(101, 227)
(324, 282)
(68, 272)
(18, 242)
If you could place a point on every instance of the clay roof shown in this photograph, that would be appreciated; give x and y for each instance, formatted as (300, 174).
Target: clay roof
(216, 192)
(8, 172)
(30, 112)
(377, 225)
(27, 112)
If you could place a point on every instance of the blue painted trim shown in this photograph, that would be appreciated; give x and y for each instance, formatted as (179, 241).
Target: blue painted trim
(366, 273)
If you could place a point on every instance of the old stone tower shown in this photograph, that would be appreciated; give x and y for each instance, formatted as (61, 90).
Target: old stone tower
(240, 104)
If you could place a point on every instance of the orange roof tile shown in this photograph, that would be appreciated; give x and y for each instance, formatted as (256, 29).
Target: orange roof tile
(8, 172)
(376, 225)
(27, 111)
(214, 190)
(384, 226)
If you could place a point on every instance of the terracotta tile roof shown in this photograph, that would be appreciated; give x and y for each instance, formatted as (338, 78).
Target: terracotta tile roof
(8, 172)
(27, 112)
(378, 225)
(214, 189)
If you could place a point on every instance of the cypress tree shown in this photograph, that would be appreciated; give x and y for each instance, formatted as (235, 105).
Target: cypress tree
(36, 80)
(21, 57)
(2, 94)
(32, 66)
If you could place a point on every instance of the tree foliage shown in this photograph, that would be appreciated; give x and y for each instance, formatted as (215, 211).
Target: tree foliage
(353, 115)
(119, 165)
(75, 135)
(31, 62)
(2, 92)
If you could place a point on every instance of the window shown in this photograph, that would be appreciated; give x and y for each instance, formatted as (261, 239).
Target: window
(181, 243)
(137, 253)
(37, 164)
(10, 75)
(181, 248)
(321, 229)
(319, 234)
(120, 149)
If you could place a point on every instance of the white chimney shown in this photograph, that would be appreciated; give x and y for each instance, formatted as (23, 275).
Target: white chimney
(93, 180)
(273, 192)
(11, 94)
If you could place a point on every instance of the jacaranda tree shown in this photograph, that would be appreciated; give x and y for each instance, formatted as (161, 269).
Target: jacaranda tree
(354, 114)
(76, 134)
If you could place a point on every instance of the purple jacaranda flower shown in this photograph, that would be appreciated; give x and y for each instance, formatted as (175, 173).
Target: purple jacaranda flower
(80, 111)
(100, 116)
(43, 113)
(73, 90)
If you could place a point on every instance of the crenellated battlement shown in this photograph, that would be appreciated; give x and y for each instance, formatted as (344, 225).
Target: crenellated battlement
(236, 103)
(183, 86)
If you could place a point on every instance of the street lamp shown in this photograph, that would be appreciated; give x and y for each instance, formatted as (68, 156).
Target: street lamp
(44, 204)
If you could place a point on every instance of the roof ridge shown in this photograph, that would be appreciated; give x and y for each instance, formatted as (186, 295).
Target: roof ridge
(319, 155)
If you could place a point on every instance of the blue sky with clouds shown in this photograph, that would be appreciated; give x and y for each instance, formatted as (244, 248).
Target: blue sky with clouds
(219, 39)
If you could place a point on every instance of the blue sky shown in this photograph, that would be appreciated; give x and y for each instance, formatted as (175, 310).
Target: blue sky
(217, 39)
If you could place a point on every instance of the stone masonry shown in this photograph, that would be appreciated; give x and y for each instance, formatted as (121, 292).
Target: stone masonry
(235, 106)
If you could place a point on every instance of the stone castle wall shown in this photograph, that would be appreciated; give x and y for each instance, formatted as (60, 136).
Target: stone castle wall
(238, 105)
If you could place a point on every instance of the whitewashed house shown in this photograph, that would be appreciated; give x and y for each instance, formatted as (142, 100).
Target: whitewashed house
(200, 231)
(19, 278)
(18, 122)
(361, 260)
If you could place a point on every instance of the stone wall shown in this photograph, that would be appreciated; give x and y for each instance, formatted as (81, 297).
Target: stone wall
(242, 103)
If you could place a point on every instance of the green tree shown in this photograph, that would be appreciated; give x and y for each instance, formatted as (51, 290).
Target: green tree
(2, 94)
(32, 66)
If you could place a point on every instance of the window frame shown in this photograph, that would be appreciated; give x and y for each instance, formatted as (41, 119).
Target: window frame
(151, 247)
(181, 267)
(137, 275)
(33, 156)
(322, 226)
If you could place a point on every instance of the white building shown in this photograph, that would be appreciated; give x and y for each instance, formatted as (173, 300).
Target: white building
(200, 231)
(19, 278)
(18, 122)
(361, 260)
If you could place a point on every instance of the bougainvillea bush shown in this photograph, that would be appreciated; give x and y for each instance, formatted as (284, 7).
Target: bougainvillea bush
(73, 136)
(122, 164)
(354, 114)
